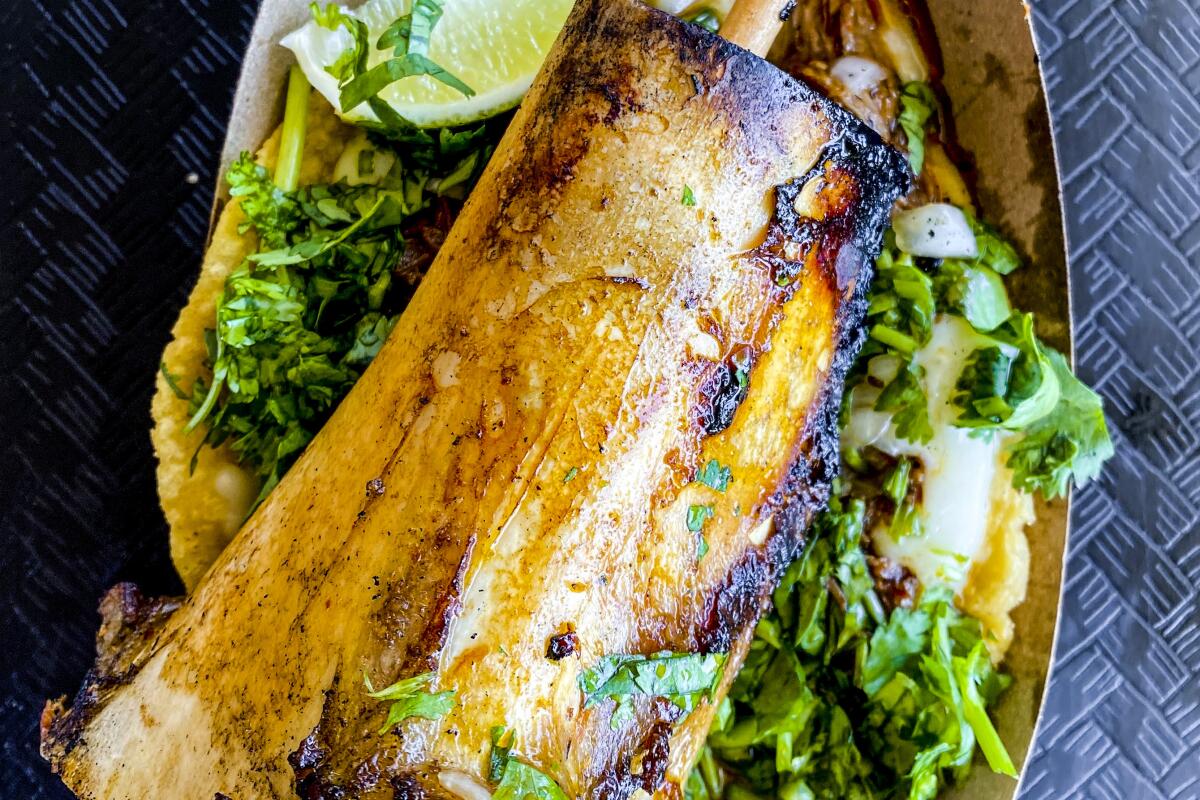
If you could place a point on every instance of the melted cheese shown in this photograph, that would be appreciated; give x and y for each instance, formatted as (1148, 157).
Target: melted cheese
(959, 469)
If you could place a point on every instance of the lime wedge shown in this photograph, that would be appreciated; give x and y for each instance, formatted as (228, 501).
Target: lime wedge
(494, 46)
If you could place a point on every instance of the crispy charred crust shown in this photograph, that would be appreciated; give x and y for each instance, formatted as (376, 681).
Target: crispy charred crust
(405, 787)
(723, 391)
(645, 767)
(860, 182)
(129, 625)
(562, 645)
(305, 761)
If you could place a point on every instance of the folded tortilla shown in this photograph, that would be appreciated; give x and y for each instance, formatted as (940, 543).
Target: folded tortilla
(204, 492)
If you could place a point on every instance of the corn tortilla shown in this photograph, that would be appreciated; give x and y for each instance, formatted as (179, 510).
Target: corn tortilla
(206, 505)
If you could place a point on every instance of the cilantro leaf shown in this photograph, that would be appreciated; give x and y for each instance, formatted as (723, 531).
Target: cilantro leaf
(271, 212)
(301, 319)
(995, 253)
(905, 398)
(682, 678)
(524, 782)
(409, 698)
(1070, 443)
(714, 475)
(353, 60)
(706, 781)
(917, 104)
(410, 33)
(902, 304)
(1009, 385)
(906, 520)
(970, 673)
(697, 515)
(895, 644)
(689, 197)
(503, 740)
(408, 39)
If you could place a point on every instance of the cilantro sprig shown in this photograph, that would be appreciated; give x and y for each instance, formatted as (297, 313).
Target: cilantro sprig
(409, 698)
(521, 781)
(1068, 445)
(517, 779)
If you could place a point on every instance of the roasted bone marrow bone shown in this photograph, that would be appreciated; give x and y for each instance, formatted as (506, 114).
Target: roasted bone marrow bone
(534, 452)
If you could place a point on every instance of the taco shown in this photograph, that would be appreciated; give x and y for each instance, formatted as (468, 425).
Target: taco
(873, 673)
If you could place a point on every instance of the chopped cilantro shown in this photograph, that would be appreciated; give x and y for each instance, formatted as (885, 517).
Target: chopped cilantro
(902, 304)
(688, 199)
(995, 252)
(1010, 384)
(409, 698)
(408, 39)
(838, 698)
(715, 476)
(303, 316)
(895, 485)
(502, 744)
(353, 60)
(697, 515)
(571, 473)
(904, 396)
(701, 547)
(1013, 383)
(683, 678)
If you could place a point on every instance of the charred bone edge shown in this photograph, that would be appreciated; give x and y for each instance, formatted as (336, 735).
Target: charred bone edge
(744, 596)
(855, 161)
(129, 626)
(842, 242)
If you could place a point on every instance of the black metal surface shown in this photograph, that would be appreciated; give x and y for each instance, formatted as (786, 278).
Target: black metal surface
(113, 113)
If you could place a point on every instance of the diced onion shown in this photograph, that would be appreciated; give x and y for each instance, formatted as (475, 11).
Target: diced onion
(348, 163)
(937, 230)
(857, 74)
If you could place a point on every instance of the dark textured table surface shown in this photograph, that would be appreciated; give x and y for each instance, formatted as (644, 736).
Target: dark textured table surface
(112, 118)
